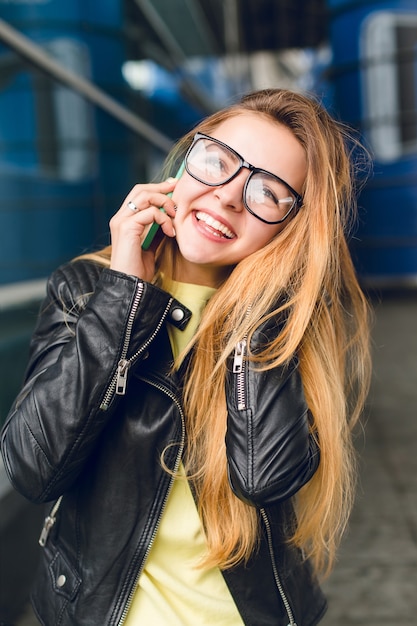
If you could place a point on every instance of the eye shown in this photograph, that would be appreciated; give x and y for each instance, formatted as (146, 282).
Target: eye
(262, 192)
(214, 163)
(269, 195)
(209, 162)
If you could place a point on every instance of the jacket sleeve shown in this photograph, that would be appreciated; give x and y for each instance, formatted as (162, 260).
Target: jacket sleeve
(271, 452)
(90, 319)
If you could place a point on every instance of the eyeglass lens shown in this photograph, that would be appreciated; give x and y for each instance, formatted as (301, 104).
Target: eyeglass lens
(214, 164)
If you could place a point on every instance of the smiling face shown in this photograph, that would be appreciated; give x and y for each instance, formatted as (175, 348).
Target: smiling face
(214, 231)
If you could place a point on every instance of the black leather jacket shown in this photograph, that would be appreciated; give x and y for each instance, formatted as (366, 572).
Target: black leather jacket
(86, 433)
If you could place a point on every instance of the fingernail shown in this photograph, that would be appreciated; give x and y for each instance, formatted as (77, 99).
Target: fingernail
(171, 179)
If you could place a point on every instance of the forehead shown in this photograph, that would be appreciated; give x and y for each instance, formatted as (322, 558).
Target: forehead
(265, 143)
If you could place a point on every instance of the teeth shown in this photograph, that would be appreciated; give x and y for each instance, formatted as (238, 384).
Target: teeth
(215, 224)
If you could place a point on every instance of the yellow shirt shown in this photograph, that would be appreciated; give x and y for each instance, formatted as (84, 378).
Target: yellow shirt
(172, 591)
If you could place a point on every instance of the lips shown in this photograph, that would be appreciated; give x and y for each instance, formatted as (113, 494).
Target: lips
(215, 226)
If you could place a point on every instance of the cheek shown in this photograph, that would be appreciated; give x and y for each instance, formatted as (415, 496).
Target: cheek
(185, 190)
(261, 236)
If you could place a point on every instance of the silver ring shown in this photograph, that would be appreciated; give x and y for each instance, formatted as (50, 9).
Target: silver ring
(132, 206)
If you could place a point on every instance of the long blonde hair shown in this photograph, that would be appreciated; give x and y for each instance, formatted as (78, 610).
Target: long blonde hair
(307, 273)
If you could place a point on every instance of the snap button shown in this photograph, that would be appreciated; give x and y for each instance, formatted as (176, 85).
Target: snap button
(61, 580)
(177, 314)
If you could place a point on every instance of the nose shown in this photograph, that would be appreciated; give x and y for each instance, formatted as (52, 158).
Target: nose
(230, 194)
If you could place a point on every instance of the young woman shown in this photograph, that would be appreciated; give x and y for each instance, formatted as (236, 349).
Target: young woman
(188, 408)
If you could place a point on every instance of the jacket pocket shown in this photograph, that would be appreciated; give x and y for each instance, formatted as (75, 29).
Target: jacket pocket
(65, 579)
(56, 585)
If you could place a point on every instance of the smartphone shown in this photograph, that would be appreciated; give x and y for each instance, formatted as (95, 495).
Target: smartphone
(153, 228)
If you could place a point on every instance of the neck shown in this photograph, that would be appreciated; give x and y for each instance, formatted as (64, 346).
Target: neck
(208, 276)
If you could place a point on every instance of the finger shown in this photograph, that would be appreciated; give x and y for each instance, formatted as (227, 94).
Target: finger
(143, 202)
(132, 206)
(141, 192)
(165, 221)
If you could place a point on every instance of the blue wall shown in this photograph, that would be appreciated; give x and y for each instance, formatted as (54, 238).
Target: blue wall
(374, 75)
(64, 166)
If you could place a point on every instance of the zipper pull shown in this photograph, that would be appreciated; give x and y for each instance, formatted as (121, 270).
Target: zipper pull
(121, 380)
(238, 357)
(48, 523)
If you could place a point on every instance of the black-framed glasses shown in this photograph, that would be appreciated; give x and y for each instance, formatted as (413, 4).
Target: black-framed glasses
(265, 195)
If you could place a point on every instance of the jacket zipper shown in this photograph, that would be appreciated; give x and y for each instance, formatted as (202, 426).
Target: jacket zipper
(51, 518)
(117, 385)
(239, 370)
(278, 582)
(119, 381)
(49, 523)
(155, 530)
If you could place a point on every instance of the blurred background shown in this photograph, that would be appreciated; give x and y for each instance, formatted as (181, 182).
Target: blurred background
(93, 93)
